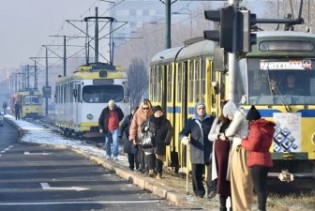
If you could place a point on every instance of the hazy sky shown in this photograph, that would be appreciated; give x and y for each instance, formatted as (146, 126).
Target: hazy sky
(26, 25)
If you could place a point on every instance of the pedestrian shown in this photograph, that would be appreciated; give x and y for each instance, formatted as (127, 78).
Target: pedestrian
(143, 113)
(5, 107)
(162, 130)
(238, 171)
(17, 108)
(220, 159)
(109, 126)
(258, 143)
(198, 127)
(129, 147)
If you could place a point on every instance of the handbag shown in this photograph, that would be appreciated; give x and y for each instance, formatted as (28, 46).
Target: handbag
(147, 138)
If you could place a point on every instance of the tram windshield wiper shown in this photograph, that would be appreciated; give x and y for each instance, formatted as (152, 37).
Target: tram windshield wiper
(273, 87)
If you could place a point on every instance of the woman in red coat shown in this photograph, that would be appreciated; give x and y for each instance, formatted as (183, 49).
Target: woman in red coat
(259, 159)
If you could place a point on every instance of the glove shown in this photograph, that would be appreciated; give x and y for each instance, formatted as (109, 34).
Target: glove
(185, 140)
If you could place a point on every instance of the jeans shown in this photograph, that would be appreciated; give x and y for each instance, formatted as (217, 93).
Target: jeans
(112, 137)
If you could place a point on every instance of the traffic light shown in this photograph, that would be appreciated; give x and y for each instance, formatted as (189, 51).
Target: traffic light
(224, 35)
(246, 21)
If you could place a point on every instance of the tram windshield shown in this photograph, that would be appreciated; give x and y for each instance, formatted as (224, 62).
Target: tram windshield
(290, 81)
(102, 93)
(32, 99)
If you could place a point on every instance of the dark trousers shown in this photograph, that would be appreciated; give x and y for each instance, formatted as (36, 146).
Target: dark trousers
(133, 160)
(159, 166)
(150, 161)
(259, 175)
(141, 158)
(197, 180)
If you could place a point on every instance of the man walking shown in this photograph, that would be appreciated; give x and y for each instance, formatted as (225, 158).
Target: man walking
(109, 126)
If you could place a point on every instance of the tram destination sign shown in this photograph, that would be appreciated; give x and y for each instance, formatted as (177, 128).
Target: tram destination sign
(305, 64)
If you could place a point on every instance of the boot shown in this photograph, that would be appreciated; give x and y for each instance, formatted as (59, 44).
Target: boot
(152, 173)
(158, 176)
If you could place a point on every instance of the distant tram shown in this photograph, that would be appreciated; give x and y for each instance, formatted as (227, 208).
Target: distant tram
(80, 97)
(180, 77)
(30, 103)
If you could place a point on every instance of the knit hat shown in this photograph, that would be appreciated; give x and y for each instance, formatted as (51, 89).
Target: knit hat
(111, 103)
(229, 109)
(157, 108)
(253, 114)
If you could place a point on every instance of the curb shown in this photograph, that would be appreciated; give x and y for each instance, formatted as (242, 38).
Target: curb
(170, 194)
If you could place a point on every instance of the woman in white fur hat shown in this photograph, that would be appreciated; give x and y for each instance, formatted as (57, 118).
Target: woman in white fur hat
(238, 171)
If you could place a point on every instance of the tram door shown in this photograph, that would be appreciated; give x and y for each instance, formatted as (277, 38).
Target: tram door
(181, 107)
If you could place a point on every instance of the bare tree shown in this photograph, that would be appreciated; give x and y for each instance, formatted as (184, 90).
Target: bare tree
(137, 81)
(285, 9)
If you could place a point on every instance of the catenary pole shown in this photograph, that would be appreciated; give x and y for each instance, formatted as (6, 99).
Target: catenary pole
(232, 55)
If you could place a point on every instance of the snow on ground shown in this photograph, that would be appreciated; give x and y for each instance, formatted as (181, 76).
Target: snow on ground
(40, 135)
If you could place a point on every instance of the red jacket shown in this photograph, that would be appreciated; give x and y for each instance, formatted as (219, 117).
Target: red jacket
(258, 143)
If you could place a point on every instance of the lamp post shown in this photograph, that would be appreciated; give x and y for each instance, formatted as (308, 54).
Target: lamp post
(190, 17)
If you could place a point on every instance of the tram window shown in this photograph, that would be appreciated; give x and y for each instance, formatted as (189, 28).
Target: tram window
(169, 83)
(191, 84)
(31, 100)
(197, 94)
(103, 93)
(179, 81)
(203, 76)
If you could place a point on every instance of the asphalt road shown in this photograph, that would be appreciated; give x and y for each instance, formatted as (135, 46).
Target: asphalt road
(38, 178)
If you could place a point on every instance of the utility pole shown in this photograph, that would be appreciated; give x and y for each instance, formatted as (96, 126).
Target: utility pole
(96, 36)
(232, 55)
(168, 38)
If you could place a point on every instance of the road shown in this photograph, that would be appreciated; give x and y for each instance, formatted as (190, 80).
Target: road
(37, 178)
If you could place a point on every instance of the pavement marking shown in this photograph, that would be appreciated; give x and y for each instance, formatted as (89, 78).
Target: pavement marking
(37, 153)
(77, 202)
(46, 186)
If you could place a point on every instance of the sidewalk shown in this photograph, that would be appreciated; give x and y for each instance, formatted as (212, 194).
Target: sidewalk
(170, 187)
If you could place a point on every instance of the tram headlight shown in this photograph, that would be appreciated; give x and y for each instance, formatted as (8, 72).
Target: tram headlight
(89, 116)
(313, 138)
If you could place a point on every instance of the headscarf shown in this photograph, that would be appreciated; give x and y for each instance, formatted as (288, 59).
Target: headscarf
(229, 109)
(196, 109)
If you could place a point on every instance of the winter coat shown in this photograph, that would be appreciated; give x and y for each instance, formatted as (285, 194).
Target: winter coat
(162, 133)
(213, 136)
(258, 143)
(124, 129)
(200, 146)
(135, 128)
(103, 119)
(238, 171)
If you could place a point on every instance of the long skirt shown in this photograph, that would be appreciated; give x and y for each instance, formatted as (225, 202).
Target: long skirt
(222, 149)
(241, 181)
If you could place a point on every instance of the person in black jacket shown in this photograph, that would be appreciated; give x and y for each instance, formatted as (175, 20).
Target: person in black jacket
(129, 147)
(200, 148)
(109, 125)
(161, 129)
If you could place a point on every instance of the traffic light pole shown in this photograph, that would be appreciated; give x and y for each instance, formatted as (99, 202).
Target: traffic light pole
(232, 56)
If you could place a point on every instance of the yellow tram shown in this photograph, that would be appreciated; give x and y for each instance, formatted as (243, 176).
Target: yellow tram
(182, 76)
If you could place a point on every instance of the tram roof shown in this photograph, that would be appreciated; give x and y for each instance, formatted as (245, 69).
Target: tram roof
(166, 55)
(204, 48)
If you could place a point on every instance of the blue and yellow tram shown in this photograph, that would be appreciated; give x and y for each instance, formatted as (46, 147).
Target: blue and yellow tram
(30, 103)
(80, 97)
(180, 77)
